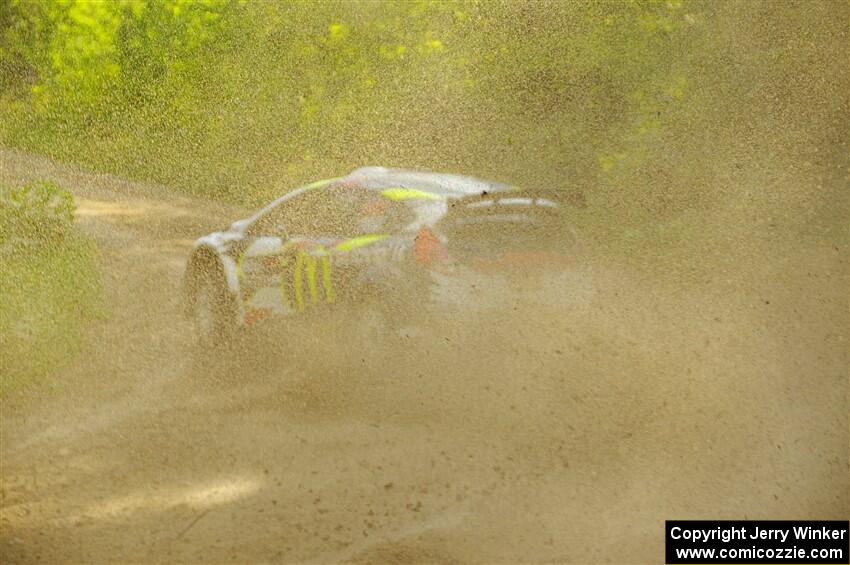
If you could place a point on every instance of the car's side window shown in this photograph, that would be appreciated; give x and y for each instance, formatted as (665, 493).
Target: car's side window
(334, 211)
(363, 211)
(328, 211)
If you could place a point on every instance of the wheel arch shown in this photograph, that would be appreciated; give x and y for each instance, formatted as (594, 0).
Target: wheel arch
(206, 261)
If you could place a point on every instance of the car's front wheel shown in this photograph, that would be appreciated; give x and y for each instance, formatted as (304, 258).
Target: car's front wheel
(212, 314)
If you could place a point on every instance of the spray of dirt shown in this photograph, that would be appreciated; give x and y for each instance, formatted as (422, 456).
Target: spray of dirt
(507, 435)
(693, 363)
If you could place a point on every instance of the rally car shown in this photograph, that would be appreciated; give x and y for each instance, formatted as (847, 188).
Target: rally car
(384, 238)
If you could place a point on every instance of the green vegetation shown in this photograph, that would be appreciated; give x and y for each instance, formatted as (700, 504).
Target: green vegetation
(642, 111)
(49, 282)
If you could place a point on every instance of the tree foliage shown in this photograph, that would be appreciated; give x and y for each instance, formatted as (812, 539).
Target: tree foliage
(239, 99)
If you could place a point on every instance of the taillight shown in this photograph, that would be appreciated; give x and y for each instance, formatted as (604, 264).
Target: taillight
(428, 249)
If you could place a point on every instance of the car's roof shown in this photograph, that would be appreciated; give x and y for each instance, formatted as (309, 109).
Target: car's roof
(445, 185)
(442, 184)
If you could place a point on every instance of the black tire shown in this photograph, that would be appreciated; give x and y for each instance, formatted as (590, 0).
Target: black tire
(213, 313)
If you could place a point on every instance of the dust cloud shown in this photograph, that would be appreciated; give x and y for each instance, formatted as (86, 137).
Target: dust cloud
(691, 362)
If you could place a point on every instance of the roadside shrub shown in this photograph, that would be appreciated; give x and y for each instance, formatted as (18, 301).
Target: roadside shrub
(38, 212)
(50, 284)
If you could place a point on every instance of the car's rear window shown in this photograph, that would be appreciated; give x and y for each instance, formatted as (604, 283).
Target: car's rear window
(484, 225)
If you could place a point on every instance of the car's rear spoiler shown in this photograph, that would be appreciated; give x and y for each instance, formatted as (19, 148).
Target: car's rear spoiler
(545, 200)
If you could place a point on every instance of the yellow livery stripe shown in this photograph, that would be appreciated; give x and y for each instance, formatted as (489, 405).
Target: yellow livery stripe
(311, 264)
(400, 193)
(296, 282)
(360, 241)
(328, 282)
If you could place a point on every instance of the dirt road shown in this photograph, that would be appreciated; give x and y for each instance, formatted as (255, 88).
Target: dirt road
(564, 438)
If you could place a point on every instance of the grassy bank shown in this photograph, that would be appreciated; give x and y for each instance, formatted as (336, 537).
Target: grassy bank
(49, 290)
